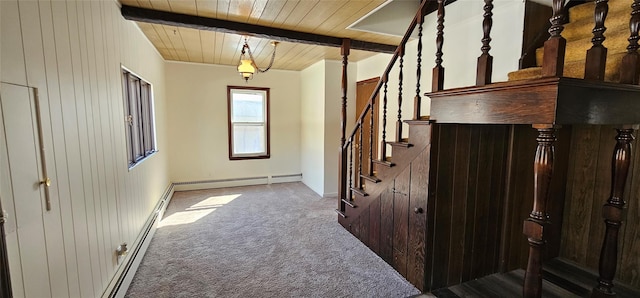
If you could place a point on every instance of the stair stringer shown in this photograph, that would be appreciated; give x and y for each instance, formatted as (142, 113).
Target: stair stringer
(420, 139)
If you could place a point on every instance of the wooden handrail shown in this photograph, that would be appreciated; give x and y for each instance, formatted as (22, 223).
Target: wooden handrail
(394, 58)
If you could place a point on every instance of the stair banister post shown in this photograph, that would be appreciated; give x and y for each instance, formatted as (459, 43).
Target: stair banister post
(534, 226)
(630, 67)
(342, 189)
(485, 61)
(371, 129)
(612, 212)
(597, 55)
(400, 81)
(437, 83)
(383, 143)
(417, 100)
(554, 47)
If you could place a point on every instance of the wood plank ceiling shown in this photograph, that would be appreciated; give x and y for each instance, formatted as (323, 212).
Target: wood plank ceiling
(326, 17)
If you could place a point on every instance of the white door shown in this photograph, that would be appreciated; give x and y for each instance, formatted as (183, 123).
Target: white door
(23, 192)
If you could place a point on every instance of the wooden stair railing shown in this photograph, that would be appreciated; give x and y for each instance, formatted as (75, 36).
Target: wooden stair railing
(537, 102)
(348, 180)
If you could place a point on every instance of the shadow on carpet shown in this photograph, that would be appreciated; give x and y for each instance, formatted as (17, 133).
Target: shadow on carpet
(279, 240)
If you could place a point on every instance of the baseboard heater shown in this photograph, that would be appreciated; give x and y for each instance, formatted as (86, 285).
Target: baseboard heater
(231, 182)
(124, 275)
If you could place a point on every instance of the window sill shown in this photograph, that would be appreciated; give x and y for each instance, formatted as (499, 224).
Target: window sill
(267, 156)
(139, 161)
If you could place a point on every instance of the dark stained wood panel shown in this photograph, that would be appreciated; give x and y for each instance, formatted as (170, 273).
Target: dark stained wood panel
(470, 206)
(485, 162)
(364, 226)
(386, 225)
(496, 197)
(520, 197)
(401, 220)
(459, 202)
(601, 190)
(583, 227)
(374, 225)
(431, 206)
(417, 220)
(582, 172)
(630, 243)
(443, 191)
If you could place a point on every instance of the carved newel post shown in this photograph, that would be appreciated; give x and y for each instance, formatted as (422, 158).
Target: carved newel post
(612, 213)
(538, 218)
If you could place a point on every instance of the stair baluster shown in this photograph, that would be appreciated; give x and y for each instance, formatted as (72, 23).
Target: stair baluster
(383, 144)
(350, 169)
(554, 47)
(485, 61)
(629, 69)
(438, 71)
(359, 176)
(400, 79)
(597, 55)
(373, 104)
(534, 226)
(342, 188)
(612, 213)
(417, 100)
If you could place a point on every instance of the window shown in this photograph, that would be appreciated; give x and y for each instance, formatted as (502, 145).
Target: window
(248, 114)
(139, 120)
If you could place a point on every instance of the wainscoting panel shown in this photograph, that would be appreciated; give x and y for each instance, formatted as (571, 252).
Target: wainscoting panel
(70, 53)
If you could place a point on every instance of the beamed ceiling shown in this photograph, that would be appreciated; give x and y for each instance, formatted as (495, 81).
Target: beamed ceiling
(320, 17)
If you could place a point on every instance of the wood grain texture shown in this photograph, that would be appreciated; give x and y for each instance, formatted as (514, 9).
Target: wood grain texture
(401, 199)
(386, 225)
(594, 146)
(462, 170)
(364, 226)
(374, 225)
(575, 229)
(470, 205)
(547, 100)
(600, 189)
(418, 220)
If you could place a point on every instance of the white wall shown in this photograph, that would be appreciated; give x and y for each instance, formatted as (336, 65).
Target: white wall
(71, 51)
(197, 99)
(462, 35)
(312, 113)
(321, 111)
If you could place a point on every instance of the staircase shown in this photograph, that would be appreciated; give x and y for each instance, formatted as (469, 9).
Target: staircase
(578, 33)
(446, 205)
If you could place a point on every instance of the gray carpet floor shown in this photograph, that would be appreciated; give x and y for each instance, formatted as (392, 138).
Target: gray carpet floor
(279, 240)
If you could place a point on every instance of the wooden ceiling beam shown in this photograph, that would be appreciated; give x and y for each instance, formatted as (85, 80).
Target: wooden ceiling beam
(211, 24)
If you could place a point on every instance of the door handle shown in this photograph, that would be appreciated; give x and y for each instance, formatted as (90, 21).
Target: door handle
(46, 182)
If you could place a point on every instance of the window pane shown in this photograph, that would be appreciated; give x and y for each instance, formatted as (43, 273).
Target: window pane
(139, 124)
(248, 139)
(247, 107)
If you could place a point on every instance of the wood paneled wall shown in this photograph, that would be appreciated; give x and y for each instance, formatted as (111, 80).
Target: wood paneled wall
(588, 189)
(519, 202)
(71, 51)
(466, 197)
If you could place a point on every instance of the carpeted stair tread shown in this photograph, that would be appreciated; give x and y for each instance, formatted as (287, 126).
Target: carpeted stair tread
(582, 28)
(586, 10)
(616, 42)
(574, 69)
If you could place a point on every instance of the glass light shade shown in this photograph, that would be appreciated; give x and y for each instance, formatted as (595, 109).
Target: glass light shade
(246, 69)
